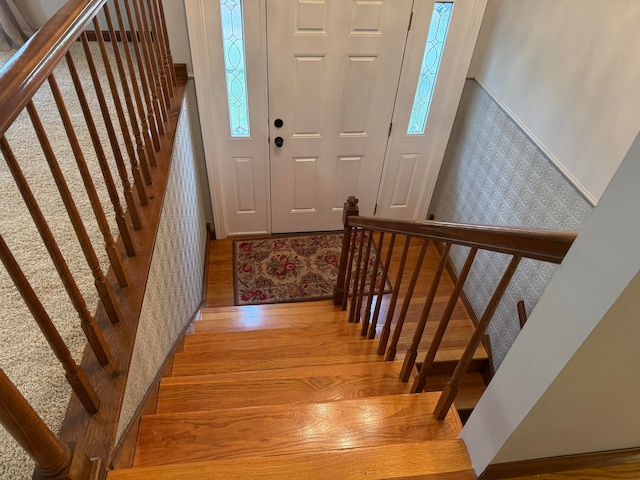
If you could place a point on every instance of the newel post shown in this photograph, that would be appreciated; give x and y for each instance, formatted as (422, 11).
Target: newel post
(350, 209)
(54, 459)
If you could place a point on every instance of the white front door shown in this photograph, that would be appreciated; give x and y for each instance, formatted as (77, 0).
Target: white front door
(334, 81)
(333, 75)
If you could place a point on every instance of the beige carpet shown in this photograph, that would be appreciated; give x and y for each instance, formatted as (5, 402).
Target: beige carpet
(24, 353)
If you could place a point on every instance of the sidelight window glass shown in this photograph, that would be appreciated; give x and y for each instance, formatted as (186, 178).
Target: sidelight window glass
(235, 66)
(440, 20)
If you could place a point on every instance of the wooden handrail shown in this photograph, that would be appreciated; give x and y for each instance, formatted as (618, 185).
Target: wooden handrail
(29, 68)
(537, 244)
(152, 79)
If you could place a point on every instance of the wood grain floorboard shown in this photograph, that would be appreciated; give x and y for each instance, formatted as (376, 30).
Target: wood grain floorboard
(284, 429)
(198, 365)
(435, 460)
(299, 385)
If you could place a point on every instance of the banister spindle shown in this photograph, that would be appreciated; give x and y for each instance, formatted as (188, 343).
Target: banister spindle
(124, 82)
(365, 268)
(372, 284)
(157, 40)
(352, 255)
(102, 285)
(53, 458)
(125, 133)
(110, 245)
(135, 87)
(386, 329)
(391, 352)
(383, 282)
(123, 227)
(149, 60)
(145, 85)
(350, 209)
(74, 374)
(420, 381)
(111, 132)
(451, 389)
(169, 60)
(88, 322)
(412, 352)
(356, 281)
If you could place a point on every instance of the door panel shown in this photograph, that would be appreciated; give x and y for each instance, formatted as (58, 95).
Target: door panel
(333, 74)
(413, 161)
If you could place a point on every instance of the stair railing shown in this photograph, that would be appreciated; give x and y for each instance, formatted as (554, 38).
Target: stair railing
(537, 244)
(135, 113)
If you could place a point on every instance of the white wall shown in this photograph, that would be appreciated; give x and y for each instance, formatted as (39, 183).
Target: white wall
(569, 383)
(568, 71)
(39, 11)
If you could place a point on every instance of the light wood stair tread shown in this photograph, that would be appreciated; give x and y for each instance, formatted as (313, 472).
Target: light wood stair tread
(283, 429)
(457, 333)
(272, 337)
(201, 364)
(314, 384)
(225, 322)
(435, 460)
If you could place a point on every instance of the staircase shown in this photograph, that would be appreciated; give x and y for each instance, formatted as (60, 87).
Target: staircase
(294, 391)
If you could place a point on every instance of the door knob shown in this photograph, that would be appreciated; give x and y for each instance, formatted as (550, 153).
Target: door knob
(278, 123)
(279, 141)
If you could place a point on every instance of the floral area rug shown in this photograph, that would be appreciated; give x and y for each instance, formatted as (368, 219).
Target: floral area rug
(288, 268)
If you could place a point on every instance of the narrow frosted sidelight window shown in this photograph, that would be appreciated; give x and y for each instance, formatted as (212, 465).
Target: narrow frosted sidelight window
(438, 29)
(235, 66)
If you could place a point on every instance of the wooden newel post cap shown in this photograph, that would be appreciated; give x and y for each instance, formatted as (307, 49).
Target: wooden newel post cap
(350, 208)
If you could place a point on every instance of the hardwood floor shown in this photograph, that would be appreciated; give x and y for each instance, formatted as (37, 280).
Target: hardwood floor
(294, 391)
(220, 294)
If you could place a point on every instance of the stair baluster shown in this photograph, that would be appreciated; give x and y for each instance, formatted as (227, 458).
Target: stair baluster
(420, 381)
(74, 374)
(341, 290)
(153, 119)
(141, 149)
(372, 284)
(150, 62)
(102, 285)
(363, 277)
(451, 389)
(53, 459)
(89, 325)
(386, 329)
(158, 41)
(110, 245)
(391, 352)
(412, 353)
(168, 58)
(383, 283)
(355, 297)
(123, 228)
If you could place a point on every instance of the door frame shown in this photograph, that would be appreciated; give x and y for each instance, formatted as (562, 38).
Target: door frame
(447, 92)
(211, 93)
(202, 54)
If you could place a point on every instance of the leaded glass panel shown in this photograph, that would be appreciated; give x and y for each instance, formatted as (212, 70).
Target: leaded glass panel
(431, 60)
(235, 66)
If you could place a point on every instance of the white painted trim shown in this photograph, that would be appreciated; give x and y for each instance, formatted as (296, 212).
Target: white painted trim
(552, 158)
(472, 30)
(202, 69)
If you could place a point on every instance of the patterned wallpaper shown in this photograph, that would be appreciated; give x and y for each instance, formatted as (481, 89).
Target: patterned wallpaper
(494, 174)
(174, 288)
